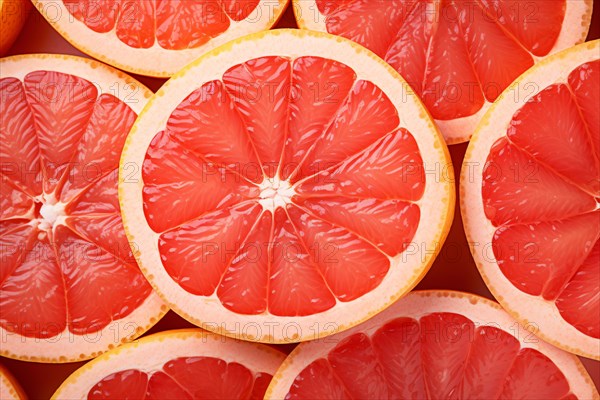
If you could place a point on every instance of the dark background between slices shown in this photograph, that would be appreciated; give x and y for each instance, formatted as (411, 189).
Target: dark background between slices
(453, 269)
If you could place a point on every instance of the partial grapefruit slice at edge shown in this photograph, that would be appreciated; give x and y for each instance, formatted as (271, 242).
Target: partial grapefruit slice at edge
(154, 60)
(424, 345)
(71, 345)
(408, 35)
(534, 305)
(163, 354)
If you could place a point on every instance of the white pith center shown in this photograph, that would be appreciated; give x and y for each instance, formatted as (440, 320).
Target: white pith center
(275, 193)
(50, 214)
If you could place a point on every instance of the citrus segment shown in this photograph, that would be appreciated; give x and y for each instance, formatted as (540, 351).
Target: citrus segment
(32, 294)
(375, 221)
(96, 199)
(243, 288)
(538, 38)
(397, 345)
(340, 192)
(96, 153)
(156, 37)
(584, 81)
(535, 200)
(260, 90)
(458, 56)
(492, 351)
(432, 345)
(490, 62)
(578, 303)
(372, 172)
(59, 103)
(182, 364)
(15, 203)
(552, 130)
(181, 186)
(364, 266)
(197, 123)
(20, 149)
(99, 16)
(515, 185)
(540, 258)
(188, 24)
(70, 271)
(198, 269)
(296, 286)
(365, 116)
(319, 85)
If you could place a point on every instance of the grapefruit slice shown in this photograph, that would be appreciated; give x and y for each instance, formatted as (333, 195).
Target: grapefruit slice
(70, 287)
(9, 387)
(13, 14)
(433, 345)
(530, 199)
(156, 37)
(179, 364)
(280, 188)
(457, 55)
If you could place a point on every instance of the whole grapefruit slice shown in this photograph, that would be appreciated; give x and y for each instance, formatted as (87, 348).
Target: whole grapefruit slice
(9, 387)
(433, 345)
(156, 37)
(530, 200)
(179, 364)
(281, 187)
(69, 287)
(457, 55)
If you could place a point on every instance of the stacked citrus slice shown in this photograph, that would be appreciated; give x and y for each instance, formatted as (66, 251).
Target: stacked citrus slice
(284, 187)
(9, 387)
(156, 37)
(180, 364)
(530, 198)
(457, 55)
(433, 345)
(69, 287)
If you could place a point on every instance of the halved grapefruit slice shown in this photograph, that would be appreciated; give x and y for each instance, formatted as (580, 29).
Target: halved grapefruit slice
(156, 37)
(69, 286)
(281, 188)
(179, 364)
(457, 55)
(530, 199)
(433, 345)
(9, 387)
